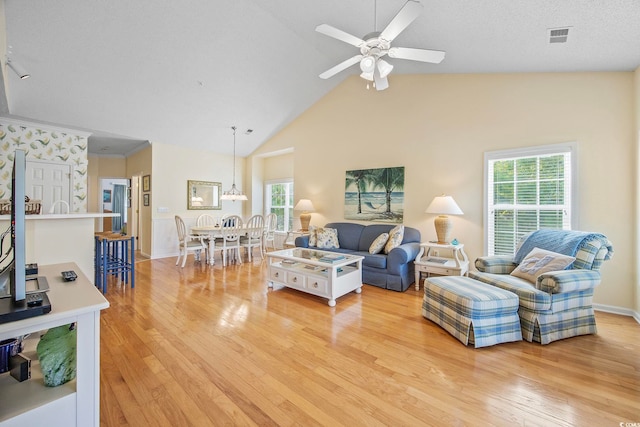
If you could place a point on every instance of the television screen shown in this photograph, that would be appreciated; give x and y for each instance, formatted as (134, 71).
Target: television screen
(18, 183)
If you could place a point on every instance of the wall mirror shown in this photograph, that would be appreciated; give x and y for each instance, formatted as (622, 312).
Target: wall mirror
(203, 195)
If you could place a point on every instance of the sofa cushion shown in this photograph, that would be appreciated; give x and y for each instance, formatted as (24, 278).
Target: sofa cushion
(529, 296)
(373, 260)
(540, 261)
(327, 238)
(313, 237)
(378, 243)
(371, 233)
(395, 238)
(349, 235)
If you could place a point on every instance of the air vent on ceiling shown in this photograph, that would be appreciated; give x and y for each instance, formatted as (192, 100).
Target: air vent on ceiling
(558, 35)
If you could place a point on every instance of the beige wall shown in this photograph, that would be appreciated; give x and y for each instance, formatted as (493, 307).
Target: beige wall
(174, 166)
(278, 167)
(103, 167)
(439, 126)
(140, 164)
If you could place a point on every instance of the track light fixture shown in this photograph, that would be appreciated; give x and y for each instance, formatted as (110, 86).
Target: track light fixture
(17, 68)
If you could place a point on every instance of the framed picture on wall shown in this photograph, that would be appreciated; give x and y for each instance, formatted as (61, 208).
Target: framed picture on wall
(375, 195)
(106, 196)
(146, 183)
(145, 199)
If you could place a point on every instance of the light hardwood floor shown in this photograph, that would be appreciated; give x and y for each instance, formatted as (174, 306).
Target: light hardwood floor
(207, 346)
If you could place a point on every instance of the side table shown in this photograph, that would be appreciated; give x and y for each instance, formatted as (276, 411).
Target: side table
(429, 261)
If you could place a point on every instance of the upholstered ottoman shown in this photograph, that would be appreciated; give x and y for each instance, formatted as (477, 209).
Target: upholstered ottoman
(473, 312)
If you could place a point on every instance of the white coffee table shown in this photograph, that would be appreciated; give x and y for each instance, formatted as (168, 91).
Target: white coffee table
(325, 274)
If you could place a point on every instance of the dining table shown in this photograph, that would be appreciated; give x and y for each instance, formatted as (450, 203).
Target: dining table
(213, 232)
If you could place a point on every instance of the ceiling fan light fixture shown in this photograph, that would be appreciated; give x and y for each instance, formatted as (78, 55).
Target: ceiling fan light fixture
(376, 45)
(367, 76)
(384, 68)
(368, 64)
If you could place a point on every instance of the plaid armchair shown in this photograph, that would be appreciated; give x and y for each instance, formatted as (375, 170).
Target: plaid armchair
(558, 304)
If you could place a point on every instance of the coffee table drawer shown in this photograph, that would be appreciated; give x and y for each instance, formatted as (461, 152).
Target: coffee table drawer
(278, 275)
(296, 280)
(317, 286)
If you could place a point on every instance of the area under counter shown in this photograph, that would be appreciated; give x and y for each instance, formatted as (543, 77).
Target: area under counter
(77, 402)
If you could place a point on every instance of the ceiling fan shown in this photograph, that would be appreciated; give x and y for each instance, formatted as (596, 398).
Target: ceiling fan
(374, 46)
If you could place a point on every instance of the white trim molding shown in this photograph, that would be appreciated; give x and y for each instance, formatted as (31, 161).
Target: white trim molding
(617, 310)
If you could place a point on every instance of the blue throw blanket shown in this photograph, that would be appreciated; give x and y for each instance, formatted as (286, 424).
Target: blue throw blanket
(566, 242)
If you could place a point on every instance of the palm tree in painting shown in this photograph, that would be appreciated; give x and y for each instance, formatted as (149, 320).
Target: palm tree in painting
(389, 179)
(359, 179)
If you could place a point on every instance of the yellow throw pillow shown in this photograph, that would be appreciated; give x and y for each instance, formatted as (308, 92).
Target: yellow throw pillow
(395, 238)
(378, 244)
(540, 261)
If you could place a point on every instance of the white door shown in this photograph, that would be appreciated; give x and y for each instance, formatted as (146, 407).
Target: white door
(49, 182)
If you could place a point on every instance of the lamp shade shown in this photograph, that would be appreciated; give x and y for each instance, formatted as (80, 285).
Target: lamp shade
(444, 205)
(304, 205)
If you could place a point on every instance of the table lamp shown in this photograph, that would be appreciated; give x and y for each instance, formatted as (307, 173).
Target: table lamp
(305, 206)
(443, 206)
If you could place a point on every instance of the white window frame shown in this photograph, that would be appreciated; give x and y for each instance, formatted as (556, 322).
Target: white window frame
(543, 150)
(267, 199)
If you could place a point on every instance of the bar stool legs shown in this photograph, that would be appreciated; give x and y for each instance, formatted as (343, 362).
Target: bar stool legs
(114, 256)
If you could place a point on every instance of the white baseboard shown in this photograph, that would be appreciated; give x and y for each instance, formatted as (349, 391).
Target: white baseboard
(617, 310)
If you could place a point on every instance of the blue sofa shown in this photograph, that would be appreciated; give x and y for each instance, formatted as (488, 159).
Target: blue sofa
(393, 271)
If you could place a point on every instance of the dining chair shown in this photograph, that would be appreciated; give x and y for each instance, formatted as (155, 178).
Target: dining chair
(188, 242)
(206, 219)
(270, 225)
(231, 230)
(254, 235)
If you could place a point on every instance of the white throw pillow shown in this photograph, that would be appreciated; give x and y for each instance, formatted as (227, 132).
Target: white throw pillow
(395, 238)
(313, 239)
(378, 243)
(327, 238)
(540, 261)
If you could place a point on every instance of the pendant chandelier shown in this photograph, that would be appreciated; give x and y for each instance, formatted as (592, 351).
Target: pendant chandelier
(234, 194)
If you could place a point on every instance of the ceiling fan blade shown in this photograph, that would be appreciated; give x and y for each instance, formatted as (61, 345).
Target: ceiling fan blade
(381, 82)
(330, 31)
(341, 66)
(424, 55)
(406, 16)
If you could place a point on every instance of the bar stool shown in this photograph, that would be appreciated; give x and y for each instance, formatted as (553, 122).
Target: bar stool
(114, 256)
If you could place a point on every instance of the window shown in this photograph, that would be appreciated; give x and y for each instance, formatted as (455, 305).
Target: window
(279, 200)
(526, 190)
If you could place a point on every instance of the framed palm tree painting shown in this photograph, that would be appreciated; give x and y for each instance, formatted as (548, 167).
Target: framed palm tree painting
(375, 195)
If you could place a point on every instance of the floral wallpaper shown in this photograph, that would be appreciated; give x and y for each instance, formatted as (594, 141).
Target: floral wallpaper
(42, 144)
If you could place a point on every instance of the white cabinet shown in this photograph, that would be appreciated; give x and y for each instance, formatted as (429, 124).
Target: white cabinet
(76, 403)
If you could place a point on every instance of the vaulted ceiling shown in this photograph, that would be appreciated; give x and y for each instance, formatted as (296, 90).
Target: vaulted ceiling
(184, 72)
